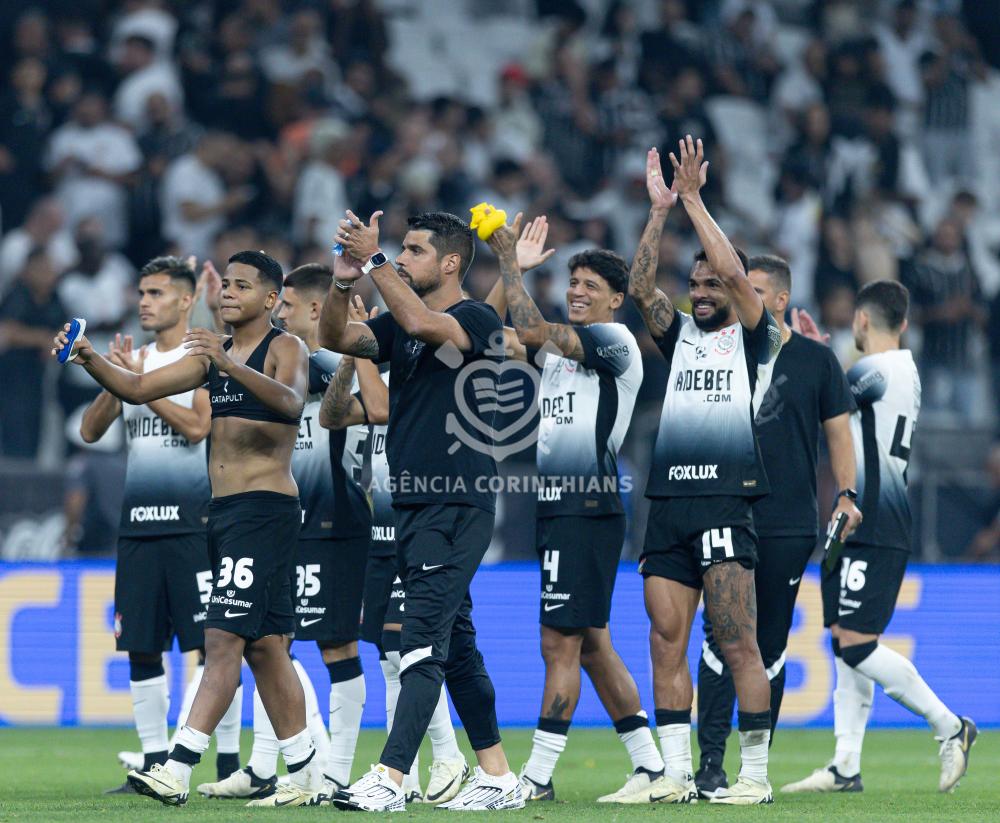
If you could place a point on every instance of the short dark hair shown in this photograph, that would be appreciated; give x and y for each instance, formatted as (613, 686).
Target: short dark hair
(612, 267)
(702, 257)
(776, 268)
(887, 300)
(449, 235)
(314, 277)
(267, 267)
(176, 268)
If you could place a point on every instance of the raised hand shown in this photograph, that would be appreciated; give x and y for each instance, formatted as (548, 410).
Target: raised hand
(504, 240)
(359, 240)
(357, 312)
(346, 268)
(691, 171)
(209, 284)
(121, 353)
(803, 323)
(660, 196)
(83, 351)
(531, 251)
(207, 344)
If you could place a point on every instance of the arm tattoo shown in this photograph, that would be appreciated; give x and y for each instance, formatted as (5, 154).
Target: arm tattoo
(656, 308)
(365, 346)
(337, 398)
(527, 318)
(731, 602)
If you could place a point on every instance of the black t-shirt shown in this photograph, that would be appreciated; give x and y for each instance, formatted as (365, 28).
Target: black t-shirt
(806, 387)
(442, 404)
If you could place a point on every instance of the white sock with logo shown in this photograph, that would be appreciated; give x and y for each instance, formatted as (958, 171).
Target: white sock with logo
(314, 718)
(852, 703)
(300, 759)
(347, 703)
(903, 683)
(187, 701)
(227, 733)
(442, 732)
(264, 757)
(150, 701)
(390, 671)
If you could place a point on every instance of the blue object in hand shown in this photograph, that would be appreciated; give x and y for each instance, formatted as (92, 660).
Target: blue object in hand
(338, 249)
(77, 327)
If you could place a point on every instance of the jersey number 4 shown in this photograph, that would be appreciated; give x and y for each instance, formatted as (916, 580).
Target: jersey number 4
(714, 541)
(899, 448)
(550, 564)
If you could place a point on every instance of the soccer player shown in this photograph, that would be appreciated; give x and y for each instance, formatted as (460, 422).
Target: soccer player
(257, 381)
(384, 595)
(163, 576)
(705, 473)
(591, 373)
(443, 502)
(859, 593)
(800, 391)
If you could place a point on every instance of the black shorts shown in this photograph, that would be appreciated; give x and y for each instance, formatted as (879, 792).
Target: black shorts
(252, 539)
(380, 573)
(162, 586)
(860, 593)
(329, 583)
(579, 560)
(686, 536)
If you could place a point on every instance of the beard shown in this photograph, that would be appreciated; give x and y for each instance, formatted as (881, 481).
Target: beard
(420, 289)
(714, 320)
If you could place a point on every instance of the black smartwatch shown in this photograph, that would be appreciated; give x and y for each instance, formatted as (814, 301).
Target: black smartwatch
(850, 494)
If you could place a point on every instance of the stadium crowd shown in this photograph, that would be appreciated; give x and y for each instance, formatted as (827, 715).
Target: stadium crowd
(860, 141)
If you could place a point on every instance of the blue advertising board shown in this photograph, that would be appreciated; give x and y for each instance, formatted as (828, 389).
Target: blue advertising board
(58, 664)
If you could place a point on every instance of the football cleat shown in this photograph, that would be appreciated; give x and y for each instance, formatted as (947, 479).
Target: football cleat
(532, 791)
(289, 795)
(372, 792)
(447, 777)
(330, 788)
(243, 784)
(710, 778)
(827, 779)
(485, 792)
(954, 754)
(745, 792)
(160, 784)
(132, 760)
(645, 786)
(124, 788)
(413, 795)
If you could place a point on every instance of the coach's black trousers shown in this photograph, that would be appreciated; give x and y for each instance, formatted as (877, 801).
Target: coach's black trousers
(440, 548)
(781, 562)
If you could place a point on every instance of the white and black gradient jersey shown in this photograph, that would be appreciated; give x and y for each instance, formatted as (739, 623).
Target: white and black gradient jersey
(585, 409)
(333, 504)
(706, 443)
(166, 480)
(380, 490)
(886, 387)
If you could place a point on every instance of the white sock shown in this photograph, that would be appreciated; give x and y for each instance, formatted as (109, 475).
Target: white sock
(264, 757)
(442, 733)
(641, 748)
(300, 758)
(675, 741)
(347, 702)
(753, 754)
(390, 671)
(194, 741)
(150, 701)
(227, 733)
(545, 750)
(187, 701)
(903, 683)
(314, 719)
(852, 703)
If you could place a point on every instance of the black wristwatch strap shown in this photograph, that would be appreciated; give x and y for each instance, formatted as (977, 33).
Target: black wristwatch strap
(850, 494)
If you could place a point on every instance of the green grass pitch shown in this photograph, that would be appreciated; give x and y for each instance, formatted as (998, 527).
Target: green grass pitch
(59, 774)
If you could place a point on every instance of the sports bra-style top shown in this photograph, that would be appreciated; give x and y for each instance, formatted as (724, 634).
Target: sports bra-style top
(230, 398)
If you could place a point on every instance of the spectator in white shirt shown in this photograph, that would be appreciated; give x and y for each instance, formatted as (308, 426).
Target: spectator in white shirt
(320, 196)
(144, 76)
(43, 229)
(305, 53)
(194, 200)
(93, 160)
